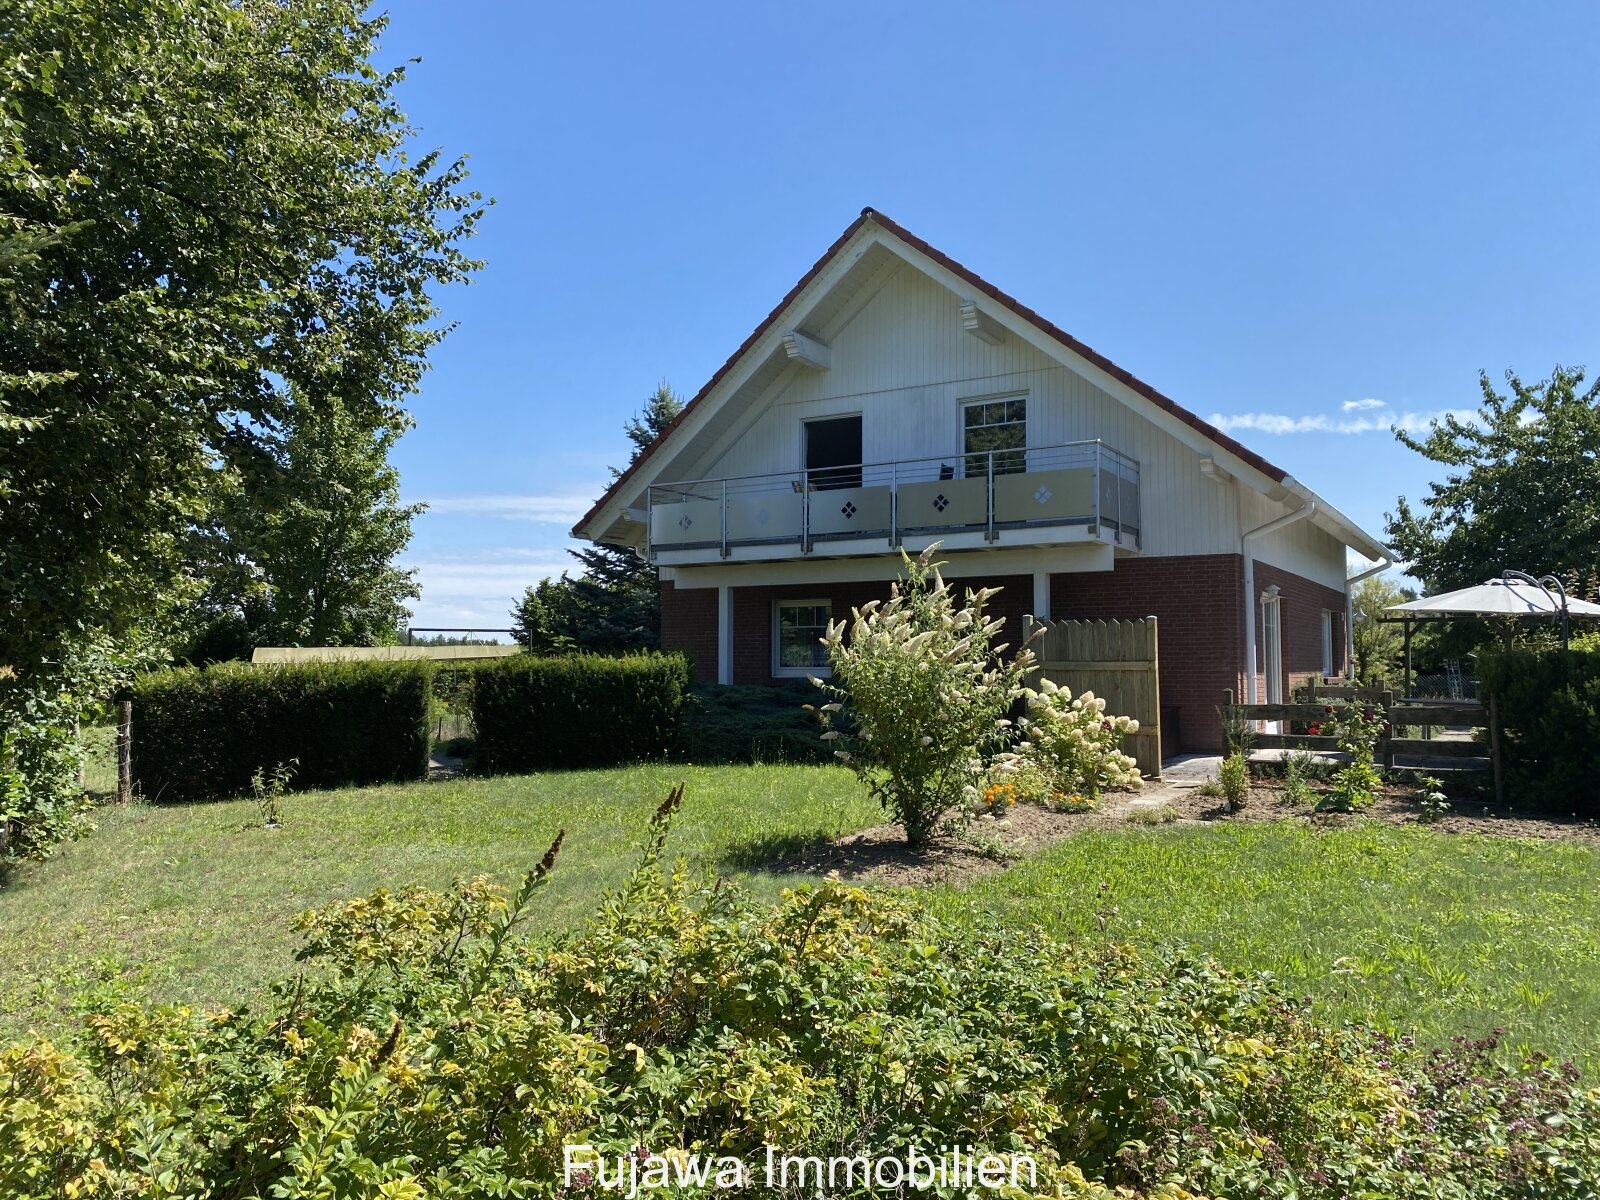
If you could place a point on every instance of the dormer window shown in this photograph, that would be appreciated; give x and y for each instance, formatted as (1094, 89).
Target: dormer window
(997, 427)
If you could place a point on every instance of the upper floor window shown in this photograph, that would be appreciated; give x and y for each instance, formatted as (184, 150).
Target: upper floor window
(997, 429)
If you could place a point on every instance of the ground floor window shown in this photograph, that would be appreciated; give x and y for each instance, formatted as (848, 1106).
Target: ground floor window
(1327, 644)
(798, 627)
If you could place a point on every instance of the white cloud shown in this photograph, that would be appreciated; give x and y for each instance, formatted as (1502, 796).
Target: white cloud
(479, 591)
(1361, 405)
(552, 510)
(1380, 422)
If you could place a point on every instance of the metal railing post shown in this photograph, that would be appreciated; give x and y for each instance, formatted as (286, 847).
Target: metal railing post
(1099, 483)
(989, 534)
(894, 505)
(805, 513)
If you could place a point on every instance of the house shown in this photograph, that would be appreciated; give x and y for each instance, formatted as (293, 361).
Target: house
(894, 398)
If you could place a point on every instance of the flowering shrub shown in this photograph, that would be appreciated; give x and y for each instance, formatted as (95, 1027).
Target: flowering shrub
(434, 1050)
(1075, 744)
(921, 693)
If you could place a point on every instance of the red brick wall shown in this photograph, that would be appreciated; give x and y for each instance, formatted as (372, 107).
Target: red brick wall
(1300, 606)
(689, 623)
(1195, 600)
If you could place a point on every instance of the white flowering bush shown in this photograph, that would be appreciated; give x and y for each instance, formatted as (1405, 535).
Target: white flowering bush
(920, 694)
(1077, 746)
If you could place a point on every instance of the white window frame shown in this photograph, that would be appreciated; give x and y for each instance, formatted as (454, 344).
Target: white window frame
(1327, 643)
(967, 402)
(779, 671)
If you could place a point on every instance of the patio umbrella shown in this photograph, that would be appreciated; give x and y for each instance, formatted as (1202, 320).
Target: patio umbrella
(1513, 595)
(1496, 598)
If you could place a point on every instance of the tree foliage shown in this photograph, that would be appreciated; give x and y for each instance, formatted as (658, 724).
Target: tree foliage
(1522, 488)
(302, 551)
(1377, 646)
(208, 215)
(614, 605)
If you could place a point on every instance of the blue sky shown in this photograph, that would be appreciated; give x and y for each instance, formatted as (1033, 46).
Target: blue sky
(1309, 221)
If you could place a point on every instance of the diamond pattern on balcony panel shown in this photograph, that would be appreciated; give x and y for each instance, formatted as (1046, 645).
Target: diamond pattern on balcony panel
(1043, 494)
(684, 522)
(941, 502)
(849, 510)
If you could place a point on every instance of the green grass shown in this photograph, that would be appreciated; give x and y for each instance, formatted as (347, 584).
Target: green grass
(1408, 929)
(194, 902)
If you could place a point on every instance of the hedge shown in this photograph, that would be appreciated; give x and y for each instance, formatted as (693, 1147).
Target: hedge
(1549, 702)
(200, 733)
(753, 723)
(580, 710)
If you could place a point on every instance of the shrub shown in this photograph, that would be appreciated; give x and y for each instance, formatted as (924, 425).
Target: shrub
(577, 710)
(919, 694)
(1298, 769)
(1234, 779)
(751, 724)
(1549, 706)
(202, 733)
(431, 1049)
(1075, 744)
(1356, 726)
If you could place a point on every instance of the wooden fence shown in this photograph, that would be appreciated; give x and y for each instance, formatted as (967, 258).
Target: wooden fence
(1398, 715)
(1115, 660)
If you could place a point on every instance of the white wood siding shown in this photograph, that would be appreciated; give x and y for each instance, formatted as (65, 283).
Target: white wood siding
(904, 362)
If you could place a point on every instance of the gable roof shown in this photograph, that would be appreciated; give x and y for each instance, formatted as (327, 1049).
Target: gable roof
(872, 216)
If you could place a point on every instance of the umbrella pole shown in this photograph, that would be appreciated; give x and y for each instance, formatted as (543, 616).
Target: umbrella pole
(1407, 628)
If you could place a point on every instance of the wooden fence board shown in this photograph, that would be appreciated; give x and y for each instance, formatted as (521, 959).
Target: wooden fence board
(1116, 660)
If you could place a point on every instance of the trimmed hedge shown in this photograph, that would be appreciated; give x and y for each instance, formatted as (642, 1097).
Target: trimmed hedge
(1550, 711)
(579, 710)
(753, 723)
(200, 733)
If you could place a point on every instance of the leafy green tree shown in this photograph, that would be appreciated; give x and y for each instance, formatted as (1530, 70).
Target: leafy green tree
(304, 551)
(1522, 488)
(1377, 645)
(208, 211)
(614, 605)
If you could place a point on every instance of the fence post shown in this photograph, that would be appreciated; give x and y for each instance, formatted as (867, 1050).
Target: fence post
(1388, 737)
(1496, 761)
(124, 751)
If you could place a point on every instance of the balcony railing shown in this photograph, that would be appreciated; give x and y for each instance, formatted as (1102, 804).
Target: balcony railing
(1080, 483)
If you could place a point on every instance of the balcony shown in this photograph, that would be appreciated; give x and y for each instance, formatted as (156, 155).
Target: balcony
(1080, 491)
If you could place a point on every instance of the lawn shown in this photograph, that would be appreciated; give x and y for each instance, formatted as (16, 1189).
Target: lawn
(197, 899)
(1406, 928)
(1403, 928)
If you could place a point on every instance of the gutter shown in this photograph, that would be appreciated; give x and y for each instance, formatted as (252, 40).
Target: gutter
(1307, 508)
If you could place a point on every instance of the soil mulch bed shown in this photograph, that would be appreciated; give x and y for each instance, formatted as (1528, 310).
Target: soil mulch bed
(1398, 806)
(880, 855)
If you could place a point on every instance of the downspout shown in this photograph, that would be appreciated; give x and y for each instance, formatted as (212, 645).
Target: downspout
(1300, 514)
(1384, 563)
